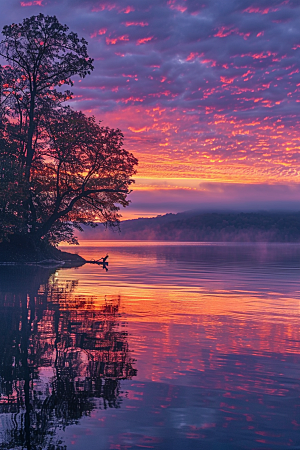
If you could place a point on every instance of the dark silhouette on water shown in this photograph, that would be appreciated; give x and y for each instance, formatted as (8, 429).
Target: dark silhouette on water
(101, 262)
(60, 357)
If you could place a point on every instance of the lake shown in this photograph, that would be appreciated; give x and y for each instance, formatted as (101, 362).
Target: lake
(177, 346)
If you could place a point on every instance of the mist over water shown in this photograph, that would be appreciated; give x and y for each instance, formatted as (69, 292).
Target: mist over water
(177, 346)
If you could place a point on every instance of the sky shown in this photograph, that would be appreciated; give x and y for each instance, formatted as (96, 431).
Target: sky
(206, 92)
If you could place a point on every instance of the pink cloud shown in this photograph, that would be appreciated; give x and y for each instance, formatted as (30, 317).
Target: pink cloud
(137, 24)
(99, 32)
(144, 40)
(32, 3)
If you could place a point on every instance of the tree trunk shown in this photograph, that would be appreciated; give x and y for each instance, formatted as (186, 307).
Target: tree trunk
(31, 128)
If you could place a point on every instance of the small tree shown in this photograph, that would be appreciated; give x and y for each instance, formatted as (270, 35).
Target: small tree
(67, 169)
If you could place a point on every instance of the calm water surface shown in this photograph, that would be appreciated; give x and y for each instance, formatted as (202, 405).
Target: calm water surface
(178, 346)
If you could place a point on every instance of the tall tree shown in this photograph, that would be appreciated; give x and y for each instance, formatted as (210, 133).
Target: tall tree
(42, 55)
(67, 169)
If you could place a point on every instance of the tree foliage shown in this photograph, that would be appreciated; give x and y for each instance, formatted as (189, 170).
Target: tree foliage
(85, 173)
(59, 167)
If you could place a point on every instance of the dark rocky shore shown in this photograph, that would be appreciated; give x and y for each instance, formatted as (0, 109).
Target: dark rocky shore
(29, 252)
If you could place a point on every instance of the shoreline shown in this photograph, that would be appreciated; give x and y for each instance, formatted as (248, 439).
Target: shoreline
(47, 256)
(46, 263)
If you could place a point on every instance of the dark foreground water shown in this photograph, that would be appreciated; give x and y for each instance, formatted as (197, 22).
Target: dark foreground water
(175, 347)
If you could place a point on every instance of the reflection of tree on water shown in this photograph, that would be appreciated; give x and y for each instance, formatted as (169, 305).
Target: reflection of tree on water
(60, 357)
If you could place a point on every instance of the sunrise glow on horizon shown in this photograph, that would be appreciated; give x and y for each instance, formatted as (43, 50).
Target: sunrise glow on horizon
(206, 93)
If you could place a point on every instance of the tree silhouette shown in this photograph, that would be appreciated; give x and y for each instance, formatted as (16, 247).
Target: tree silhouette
(50, 328)
(67, 169)
(41, 55)
(85, 173)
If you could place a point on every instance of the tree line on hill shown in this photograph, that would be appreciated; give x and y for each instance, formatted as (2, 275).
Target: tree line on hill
(208, 227)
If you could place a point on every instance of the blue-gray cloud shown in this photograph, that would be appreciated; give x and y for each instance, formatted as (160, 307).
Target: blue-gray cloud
(184, 54)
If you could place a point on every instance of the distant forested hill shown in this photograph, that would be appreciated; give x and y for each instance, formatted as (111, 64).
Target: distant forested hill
(195, 226)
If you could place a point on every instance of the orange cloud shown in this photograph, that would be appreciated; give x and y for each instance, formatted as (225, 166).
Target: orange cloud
(128, 9)
(224, 32)
(227, 80)
(144, 40)
(33, 3)
(133, 99)
(192, 56)
(257, 10)
(139, 130)
(137, 24)
(238, 150)
(99, 32)
(178, 7)
(113, 41)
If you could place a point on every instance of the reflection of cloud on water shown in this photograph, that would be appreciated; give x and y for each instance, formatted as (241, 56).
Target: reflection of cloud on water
(218, 363)
(193, 418)
(251, 267)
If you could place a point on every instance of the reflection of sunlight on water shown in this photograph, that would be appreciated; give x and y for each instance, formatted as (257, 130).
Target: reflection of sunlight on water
(174, 313)
(157, 285)
(215, 334)
(217, 340)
